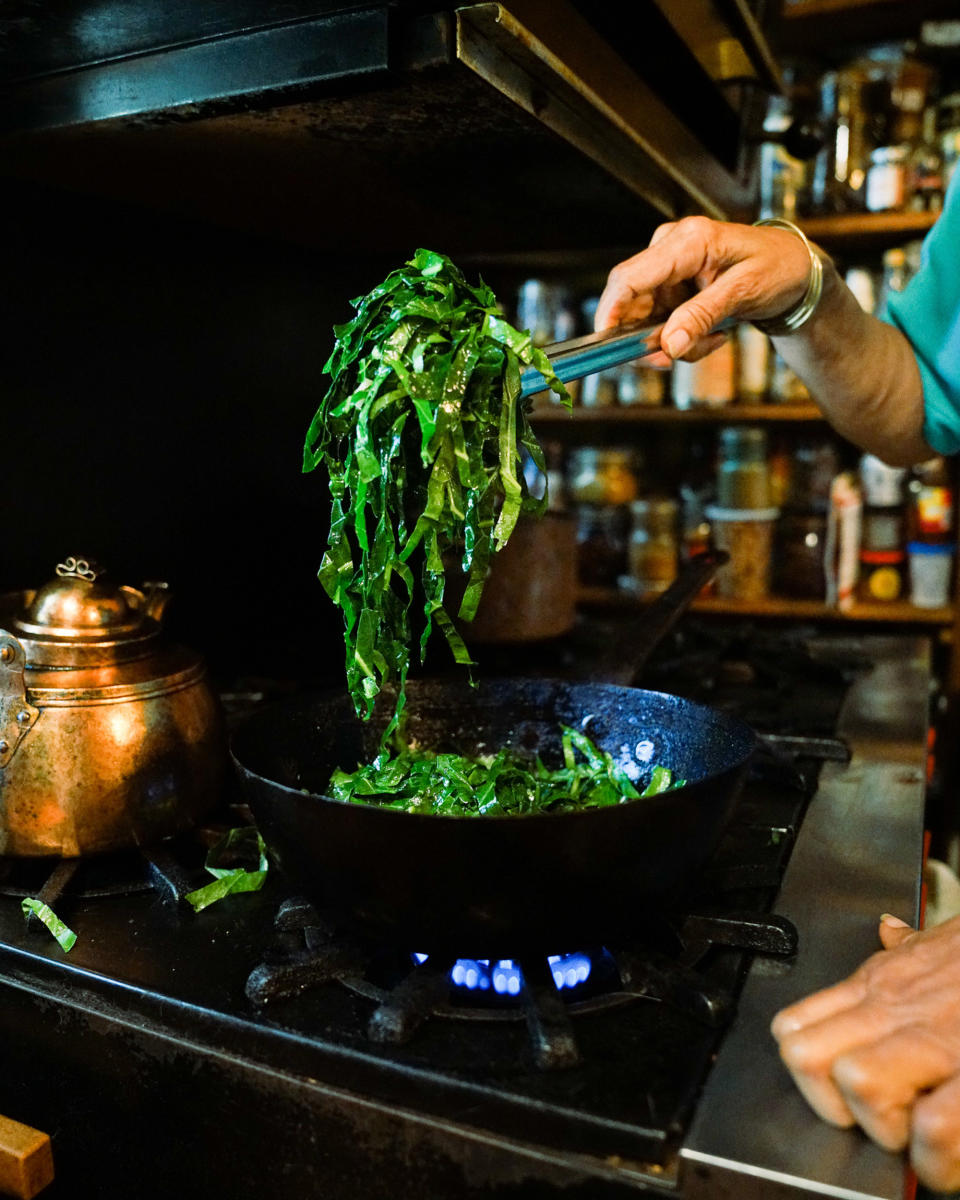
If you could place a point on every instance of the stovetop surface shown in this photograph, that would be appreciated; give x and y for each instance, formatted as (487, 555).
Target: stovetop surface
(148, 960)
(147, 968)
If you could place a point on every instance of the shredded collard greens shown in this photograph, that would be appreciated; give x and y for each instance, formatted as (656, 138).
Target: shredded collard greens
(33, 907)
(502, 784)
(243, 843)
(420, 433)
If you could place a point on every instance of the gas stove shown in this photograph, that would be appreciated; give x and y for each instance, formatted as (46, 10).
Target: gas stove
(254, 1048)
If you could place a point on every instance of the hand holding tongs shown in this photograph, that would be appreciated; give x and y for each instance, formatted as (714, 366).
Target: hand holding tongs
(599, 351)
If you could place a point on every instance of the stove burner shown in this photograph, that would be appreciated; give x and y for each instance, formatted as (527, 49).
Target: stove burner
(547, 992)
(110, 875)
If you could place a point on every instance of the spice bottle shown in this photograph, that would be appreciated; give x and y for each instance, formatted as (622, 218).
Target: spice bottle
(709, 382)
(883, 555)
(949, 138)
(925, 168)
(743, 476)
(931, 503)
(601, 544)
(753, 363)
(653, 552)
(602, 475)
(887, 179)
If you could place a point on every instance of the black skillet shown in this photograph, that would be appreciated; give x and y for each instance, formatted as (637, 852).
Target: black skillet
(493, 886)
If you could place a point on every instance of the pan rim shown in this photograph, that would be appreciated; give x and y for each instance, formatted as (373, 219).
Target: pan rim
(726, 722)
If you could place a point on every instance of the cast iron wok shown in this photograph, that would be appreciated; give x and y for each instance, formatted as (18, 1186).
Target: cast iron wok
(494, 886)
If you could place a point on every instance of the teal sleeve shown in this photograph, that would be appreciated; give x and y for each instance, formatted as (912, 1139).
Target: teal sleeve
(927, 311)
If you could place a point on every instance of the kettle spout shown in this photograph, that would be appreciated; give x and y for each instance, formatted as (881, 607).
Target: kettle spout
(156, 597)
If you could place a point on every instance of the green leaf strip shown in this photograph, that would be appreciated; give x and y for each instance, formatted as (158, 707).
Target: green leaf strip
(242, 842)
(43, 912)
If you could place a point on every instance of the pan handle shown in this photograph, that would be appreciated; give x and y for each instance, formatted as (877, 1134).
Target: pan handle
(624, 661)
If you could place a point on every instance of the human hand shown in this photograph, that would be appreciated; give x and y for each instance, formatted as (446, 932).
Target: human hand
(882, 1048)
(702, 271)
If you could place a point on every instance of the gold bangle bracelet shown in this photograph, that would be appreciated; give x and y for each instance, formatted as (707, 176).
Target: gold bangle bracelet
(795, 318)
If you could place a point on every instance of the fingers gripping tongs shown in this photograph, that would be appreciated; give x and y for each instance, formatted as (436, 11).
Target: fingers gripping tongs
(599, 351)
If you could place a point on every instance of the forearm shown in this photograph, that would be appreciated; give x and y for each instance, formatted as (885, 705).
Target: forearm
(863, 374)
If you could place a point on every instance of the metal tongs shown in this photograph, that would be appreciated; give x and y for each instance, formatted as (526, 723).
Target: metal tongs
(599, 351)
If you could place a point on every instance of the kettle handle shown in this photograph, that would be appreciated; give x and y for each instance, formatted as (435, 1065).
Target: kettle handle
(17, 715)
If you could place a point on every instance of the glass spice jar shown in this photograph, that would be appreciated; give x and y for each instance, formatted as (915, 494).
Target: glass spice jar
(653, 552)
(743, 474)
(709, 382)
(602, 475)
(601, 544)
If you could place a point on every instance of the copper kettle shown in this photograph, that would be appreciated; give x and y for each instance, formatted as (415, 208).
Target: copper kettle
(109, 735)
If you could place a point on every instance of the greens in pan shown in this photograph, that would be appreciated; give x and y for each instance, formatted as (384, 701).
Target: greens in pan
(502, 784)
(420, 433)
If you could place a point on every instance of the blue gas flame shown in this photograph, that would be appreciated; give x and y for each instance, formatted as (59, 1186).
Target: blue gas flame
(504, 977)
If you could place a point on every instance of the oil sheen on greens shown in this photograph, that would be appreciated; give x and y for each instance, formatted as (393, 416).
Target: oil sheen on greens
(503, 784)
(420, 433)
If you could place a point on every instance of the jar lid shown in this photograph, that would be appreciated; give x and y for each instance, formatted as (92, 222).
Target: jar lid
(931, 549)
(661, 506)
(747, 442)
(884, 155)
(608, 455)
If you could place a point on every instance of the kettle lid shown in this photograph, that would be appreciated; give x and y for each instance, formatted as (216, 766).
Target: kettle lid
(79, 603)
(80, 610)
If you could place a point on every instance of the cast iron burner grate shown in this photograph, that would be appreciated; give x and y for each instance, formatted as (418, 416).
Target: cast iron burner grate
(408, 989)
(171, 869)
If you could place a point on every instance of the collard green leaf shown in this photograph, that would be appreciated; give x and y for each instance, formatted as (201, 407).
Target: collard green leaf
(43, 912)
(244, 844)
(504, 784)
(421, 432)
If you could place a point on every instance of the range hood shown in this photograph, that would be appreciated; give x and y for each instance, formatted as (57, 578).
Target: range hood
(498, 128)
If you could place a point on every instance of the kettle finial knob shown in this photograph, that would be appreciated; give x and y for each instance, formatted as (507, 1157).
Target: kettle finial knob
(79, 568)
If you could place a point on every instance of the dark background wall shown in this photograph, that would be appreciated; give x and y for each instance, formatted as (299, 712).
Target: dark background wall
(156, 381)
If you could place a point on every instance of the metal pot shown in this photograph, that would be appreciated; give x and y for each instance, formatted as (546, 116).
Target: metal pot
(109, 736)
(531, 594)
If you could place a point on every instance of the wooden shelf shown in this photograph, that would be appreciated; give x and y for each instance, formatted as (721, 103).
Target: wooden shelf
(613, 599)
(833, 30)
(556, 417)
(869, 230)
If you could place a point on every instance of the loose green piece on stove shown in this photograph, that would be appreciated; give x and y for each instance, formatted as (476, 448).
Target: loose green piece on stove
(238, 863)
(420, 433)
(502, 784)
(32, 907)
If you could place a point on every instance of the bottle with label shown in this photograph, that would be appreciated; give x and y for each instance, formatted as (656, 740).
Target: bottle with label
(602, 475)
(654, 551)
(601, 544)
(710, 382)
(931, 503)
(847, 101)
(781, 175)
(743, 474)
(754, 352)
(883, 555)
(949, 135)
(925, 168)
